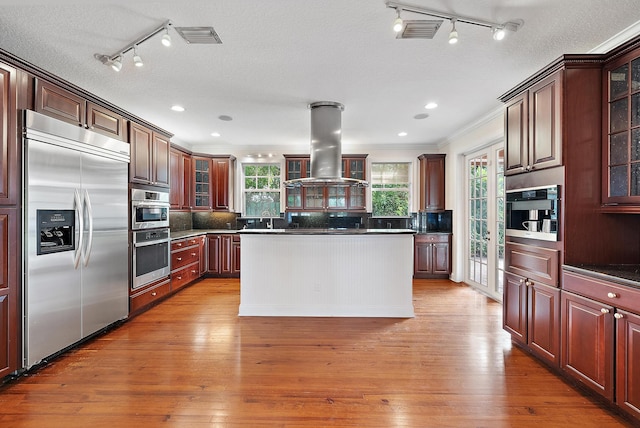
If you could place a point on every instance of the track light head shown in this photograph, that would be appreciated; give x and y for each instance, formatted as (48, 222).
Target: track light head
(453, 35)
(116, 64)
(498, 33)
(136, 58)
(166, 38)
(397, 24)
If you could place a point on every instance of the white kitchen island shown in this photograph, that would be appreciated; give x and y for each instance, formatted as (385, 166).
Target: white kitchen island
(326, 273)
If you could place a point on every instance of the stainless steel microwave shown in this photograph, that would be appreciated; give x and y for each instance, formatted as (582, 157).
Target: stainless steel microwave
(149, 209)
(533, 213)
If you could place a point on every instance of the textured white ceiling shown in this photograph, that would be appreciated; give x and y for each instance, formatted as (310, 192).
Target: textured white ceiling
(279, 55)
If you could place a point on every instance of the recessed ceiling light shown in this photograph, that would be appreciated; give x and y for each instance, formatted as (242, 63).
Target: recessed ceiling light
(431, 105)
(225, 118)
(215, 134)
(421, 116)
(177, 108)
(402, 134)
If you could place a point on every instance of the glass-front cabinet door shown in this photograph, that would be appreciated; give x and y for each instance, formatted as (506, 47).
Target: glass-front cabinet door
(621, 169)
(202, 183)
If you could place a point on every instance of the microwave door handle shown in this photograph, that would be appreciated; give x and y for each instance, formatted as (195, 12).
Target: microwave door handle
(86, 253)
(77, 205)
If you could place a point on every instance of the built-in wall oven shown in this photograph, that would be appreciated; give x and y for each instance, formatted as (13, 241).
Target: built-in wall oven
(533, 212)
(151, 241)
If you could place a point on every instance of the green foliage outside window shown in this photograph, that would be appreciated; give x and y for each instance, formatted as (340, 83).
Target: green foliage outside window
(390, 189)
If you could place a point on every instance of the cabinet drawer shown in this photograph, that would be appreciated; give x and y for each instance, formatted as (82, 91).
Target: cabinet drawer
(236, 238)
(184, 243)
(184, 257)
(432, 237)
(182, 277)
(609, 293)
(148, 295)
(535, 263)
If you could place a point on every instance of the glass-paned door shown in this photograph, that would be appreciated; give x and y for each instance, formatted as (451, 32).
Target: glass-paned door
(485, 220)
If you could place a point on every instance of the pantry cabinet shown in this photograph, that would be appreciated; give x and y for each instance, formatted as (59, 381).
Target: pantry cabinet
(61, 104)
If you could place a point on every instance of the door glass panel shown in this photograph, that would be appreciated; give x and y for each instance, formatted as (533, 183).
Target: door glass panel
(635, 144)
(618, 79)
(477, 255)
(619, 116)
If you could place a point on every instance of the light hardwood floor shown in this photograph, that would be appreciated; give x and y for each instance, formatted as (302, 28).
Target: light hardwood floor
(192, 362)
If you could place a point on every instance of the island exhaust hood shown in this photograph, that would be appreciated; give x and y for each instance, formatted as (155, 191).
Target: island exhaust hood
(326, 149)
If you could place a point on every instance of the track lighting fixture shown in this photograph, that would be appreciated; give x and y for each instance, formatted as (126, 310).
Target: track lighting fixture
(115, 60)
(397, 24)
(498, 30)
(166, 38)
(116, 63)
(136, 58)
(453, 35)
(498, 33)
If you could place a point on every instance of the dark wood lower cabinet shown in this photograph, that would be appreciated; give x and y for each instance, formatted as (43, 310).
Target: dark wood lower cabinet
(9, 320)
(588, 342)
(514, 307)
(628, 362)
(224, 255)
(432, 255)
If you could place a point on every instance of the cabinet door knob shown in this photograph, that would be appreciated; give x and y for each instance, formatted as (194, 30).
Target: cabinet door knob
(604, 310)
(612, 295)
(521, 280)
(618, 316)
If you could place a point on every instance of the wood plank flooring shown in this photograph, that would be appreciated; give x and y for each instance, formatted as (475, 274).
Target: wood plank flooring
(192, 362)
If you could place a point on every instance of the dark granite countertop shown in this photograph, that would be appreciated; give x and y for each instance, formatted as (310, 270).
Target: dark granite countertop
(196, 232)
(326, 231)
(622, 274)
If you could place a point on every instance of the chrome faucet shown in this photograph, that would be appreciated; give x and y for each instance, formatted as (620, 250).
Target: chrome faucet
(270, 223)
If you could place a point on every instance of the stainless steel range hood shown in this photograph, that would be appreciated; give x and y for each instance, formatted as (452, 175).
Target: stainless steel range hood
(326, 149)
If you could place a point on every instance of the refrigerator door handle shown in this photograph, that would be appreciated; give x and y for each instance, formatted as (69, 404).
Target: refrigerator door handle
(86, 253)
(77, 205)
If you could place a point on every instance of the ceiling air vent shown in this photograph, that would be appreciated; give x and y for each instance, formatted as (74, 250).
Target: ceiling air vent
(420, 29)
(199, 35)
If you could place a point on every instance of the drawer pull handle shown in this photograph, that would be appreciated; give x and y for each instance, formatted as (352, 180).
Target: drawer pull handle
(193, 254)
(193, 271)
(179, 244)
(604, 310)
(612, 295)
(179, 278)
(618, 316)
(179, 259)
(154, 293)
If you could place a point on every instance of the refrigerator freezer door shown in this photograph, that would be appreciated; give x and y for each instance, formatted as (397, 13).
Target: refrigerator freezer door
(52, 300)
(105, 278)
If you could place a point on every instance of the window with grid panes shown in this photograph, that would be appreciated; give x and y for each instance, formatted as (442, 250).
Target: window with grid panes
(261, 188)
(390, 189)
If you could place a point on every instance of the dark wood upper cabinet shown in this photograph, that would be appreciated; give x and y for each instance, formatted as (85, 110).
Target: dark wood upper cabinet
(180, 179)
(326, 198)
(9, 168)
(621, 133)
(432, 182)
(61, 104)
(533, 128)
(149, 156)
(212, 182)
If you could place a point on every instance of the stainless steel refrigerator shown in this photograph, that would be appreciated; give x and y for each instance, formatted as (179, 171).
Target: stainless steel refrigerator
(76, 245)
